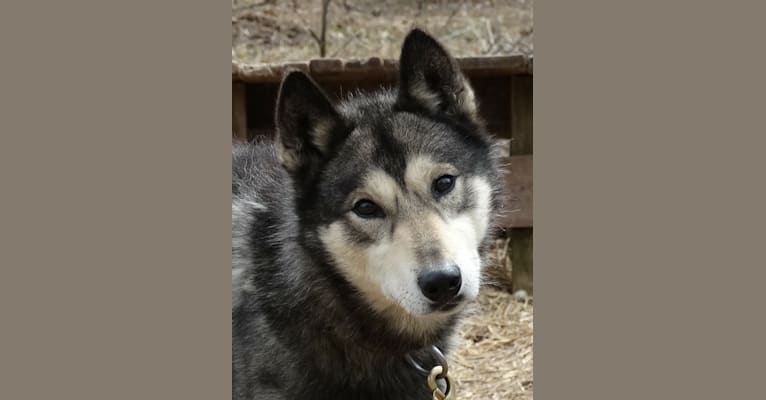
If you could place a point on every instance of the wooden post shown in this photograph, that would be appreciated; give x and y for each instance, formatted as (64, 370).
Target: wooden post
(238, 112)
(521, 144)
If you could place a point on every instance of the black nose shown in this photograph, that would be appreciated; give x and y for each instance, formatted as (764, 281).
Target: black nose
(440, 286)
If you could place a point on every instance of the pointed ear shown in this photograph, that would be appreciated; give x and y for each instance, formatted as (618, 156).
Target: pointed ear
(305, 120)
(431, 79)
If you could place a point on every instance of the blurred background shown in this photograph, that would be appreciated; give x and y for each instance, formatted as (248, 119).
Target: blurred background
(276, 31)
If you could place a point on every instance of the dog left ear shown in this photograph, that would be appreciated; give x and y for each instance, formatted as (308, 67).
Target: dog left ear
(431, 79)
(306, 121)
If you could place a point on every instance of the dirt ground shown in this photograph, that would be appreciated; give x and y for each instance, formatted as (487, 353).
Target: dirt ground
(274, 31)
(494, 357)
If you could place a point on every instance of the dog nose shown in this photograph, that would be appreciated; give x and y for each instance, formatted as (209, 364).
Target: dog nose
(440, 286)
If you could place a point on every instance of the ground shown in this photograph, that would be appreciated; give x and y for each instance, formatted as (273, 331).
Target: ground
(494, 360)
(494, 357)
(274, 31)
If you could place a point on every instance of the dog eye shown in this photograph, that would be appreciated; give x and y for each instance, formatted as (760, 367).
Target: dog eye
(443, 185)
(367, 209)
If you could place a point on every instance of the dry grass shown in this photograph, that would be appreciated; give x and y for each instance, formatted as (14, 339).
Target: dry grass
(499, 272)
(494, 356)
(494, 359)
(280, 30)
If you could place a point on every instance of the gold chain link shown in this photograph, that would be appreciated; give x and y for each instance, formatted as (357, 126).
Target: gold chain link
(438, 394)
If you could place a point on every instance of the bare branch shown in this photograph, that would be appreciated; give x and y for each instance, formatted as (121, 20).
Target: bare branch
(314, 35)
(323, 41)
(253, 5)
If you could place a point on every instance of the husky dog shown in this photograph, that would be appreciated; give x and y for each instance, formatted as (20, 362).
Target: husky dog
(357, 236)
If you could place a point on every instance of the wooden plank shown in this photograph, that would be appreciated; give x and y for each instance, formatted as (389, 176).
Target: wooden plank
(494, 96)
(521, 260)
(238, 112)
(517, 210)
(375, 68)
(261, 106)
(521, 114)
(494, 66)
(521, 144)
(264, 72)
(325, 66)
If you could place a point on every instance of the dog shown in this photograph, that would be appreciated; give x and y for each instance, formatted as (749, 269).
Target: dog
(359, 233)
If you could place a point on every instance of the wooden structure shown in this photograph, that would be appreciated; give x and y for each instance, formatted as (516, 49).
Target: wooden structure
(503, 87)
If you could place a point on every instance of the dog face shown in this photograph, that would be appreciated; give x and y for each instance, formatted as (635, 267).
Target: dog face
(398, 187)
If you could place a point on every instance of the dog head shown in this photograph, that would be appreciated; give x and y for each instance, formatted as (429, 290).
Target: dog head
(398, 187)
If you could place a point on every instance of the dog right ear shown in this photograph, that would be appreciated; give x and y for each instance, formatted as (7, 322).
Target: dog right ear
(431, 79)
(306, 120)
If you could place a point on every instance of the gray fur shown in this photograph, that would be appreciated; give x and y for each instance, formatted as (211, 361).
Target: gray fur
(300, 328)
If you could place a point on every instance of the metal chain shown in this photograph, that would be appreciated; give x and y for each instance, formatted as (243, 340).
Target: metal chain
(437, 392)
(438, 372)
